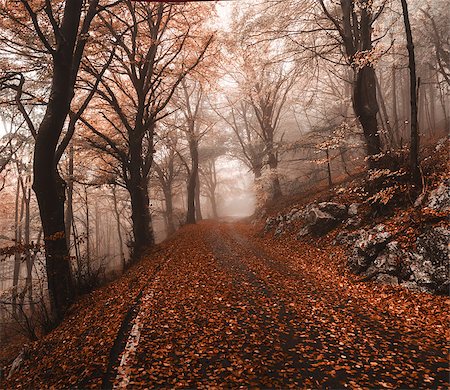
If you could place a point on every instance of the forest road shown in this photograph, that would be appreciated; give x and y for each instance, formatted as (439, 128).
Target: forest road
(227, 311)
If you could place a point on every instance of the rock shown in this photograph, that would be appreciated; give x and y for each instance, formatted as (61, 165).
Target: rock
(353, 222)
(389, 259)
(345, 237)
(353, 210)
(292, 213)
(320, 222)
(336, 210)
(430, 266)
(304, 231)
(280, 229)
(389, 280)
(413, 286)
(367, 248)
(18, 361)
(439, 199)
(271, 222)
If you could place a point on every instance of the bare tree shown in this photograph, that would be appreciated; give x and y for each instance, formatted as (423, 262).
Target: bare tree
(154, 49)
(62, 33)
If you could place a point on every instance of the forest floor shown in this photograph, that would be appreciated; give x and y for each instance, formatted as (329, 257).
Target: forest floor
(220, 305)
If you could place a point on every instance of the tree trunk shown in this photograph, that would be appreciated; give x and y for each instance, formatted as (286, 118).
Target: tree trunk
(366, 108)
(213, 201)
(198, 208)
(28, 259)
(140, 215)
(275, 181)
(385, 117)
(119, 229)
(50, 192)
(414, 151)
(137, 186)
(169, 210)
(69, 206)
(257, 171)
(396, 123)
(17, 243)
(192, 183)
(88, 233)
(330, 181)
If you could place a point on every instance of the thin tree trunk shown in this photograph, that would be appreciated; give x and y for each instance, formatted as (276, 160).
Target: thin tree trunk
(28, 259)
(275, 181)
(192, 183)
(169, 210)
(198, 209)
(17, 242)
(119, 229)
(88, 232)
(330, 181)
(414, 152)
(385, 116)
(97, 230)
(69, 206)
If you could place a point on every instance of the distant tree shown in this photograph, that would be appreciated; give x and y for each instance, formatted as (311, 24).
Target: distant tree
(167, 168)
(154, 48)
(196, 124)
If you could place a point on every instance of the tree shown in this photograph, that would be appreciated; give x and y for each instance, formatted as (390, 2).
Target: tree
(414, 151)
(62, 31)
(154, 47)
(167, 169)
(196, 125)
(355, 30)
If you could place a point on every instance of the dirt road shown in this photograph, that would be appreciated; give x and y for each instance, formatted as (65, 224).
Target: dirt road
(229, 309)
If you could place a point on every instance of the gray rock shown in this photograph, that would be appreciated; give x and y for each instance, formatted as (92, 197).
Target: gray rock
(353, 210)
(345, 237)
(353, 222)
(413, 286)
(271, 223)
(298, 215)
(18, 361)
(320, 222)
(336, 210)
(430, 266)
(281, 228)
(304, 231)
(367, 248)
(389, 280)
(439, 199)
(389, 259)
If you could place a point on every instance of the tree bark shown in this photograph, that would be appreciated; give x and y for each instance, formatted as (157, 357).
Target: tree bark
(48, 184)
(17, 243)
(275, 181)
(394, 107)
(88, 233)
(119, 229)
(198, 208)
(414, 149)
(366, 108)
(330, 181)
(192, 183)
(69, 206)
(168, 198)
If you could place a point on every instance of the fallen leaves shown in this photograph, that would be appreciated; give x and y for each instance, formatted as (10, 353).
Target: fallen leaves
(231, 309)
